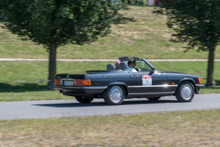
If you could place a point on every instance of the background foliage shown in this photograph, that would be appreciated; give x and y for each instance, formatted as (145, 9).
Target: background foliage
(195, 22)
(137, 2)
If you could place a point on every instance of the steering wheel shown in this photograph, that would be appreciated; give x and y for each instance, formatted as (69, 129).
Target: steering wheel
(137, 69)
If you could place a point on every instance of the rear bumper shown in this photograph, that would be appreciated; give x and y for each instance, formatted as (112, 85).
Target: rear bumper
(81, 91)
(198, 87)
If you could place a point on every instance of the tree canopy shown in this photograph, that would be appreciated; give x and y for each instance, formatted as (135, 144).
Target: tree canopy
(53, 23)
(196, 22)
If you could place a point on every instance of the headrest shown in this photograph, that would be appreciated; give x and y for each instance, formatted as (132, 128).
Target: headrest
(123, 66)
(110, 67)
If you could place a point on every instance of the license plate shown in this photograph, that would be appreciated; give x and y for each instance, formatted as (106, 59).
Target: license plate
(68, 83)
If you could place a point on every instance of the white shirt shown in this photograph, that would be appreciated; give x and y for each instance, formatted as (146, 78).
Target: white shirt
(132, 69)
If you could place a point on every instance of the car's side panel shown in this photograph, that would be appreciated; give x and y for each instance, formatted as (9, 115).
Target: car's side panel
(119, 78)
(159, 82)
(187, 79)
(96, 79)
(117, 83)
(178, 78)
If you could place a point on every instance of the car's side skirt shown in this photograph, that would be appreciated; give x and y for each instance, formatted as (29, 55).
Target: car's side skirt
(150, 94)
(154, 86)
(153, 93)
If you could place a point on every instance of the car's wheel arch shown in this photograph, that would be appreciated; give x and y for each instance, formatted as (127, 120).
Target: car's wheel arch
(187, 79)
(119, 84)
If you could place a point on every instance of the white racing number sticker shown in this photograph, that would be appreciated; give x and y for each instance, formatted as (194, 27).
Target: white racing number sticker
(146, 80)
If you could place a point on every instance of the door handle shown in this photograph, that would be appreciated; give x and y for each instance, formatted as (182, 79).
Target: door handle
(135, 76)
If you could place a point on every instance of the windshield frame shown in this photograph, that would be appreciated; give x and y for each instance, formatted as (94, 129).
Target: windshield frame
(150, 65)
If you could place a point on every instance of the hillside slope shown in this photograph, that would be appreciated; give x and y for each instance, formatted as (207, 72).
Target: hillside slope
(138, 32)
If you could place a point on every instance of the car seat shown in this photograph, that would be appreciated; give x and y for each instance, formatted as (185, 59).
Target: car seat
(110, 67)
(123, 66)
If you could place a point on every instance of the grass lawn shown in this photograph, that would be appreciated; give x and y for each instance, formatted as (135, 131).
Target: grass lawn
(22, 80)
(138, 32)
(184, 129)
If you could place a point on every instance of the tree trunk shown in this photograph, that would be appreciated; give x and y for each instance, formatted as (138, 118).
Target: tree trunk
(210, 72)
(52, 65)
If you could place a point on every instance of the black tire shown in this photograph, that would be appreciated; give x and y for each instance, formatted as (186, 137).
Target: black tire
(118, 98)
(84, 99)
(185, 92)
(153, 98)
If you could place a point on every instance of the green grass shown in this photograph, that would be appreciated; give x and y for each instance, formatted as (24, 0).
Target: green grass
(139, 33)
(184, 129)
(27, 80)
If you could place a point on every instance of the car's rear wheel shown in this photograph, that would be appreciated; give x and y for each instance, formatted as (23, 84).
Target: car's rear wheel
(114, 95)
(84, 99)
(153, 98)
(185, 92)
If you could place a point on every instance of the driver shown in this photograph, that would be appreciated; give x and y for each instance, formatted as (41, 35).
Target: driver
(131, 65)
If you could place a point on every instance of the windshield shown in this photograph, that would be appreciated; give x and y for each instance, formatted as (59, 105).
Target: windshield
(143, 66)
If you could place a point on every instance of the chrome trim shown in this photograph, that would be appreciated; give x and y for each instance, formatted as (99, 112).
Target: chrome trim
(153, 86)
(98, 87)
(200, 85)
(67, 79)
(172, 92)
(84, 88)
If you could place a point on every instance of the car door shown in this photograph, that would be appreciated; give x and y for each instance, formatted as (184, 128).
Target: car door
(148, 82)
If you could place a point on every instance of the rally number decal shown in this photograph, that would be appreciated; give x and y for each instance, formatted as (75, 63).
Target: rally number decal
(146, 80)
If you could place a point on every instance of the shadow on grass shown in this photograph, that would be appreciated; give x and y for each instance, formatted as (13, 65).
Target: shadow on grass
(217, 85)
(25, 87)
(211, 87)
(217, 82)
(123, 20)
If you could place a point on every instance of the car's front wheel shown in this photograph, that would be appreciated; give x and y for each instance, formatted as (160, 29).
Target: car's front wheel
(114, 95)
(84, 99)
(185, 92)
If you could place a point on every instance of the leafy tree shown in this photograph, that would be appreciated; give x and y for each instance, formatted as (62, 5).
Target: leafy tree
(196, 22)
(53, 23)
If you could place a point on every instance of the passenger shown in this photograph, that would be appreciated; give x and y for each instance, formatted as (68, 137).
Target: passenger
(117, 65)
(131, 65)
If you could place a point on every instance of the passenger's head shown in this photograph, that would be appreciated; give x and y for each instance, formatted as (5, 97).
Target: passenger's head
(131, 63)
(117, 65)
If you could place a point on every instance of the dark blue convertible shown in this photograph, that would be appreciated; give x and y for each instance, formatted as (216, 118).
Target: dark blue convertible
(116, 85)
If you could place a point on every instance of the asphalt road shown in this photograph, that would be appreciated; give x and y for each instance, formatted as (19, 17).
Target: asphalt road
(71, 108)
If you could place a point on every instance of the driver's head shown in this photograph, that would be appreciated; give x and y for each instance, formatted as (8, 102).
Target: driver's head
(131, 63)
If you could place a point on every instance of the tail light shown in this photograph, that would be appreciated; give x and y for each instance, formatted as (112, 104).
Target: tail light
(83, 82)
(200, 80)
(57, 81)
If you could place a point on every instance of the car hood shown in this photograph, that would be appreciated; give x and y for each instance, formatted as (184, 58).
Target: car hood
(179, 73)
(173, 72)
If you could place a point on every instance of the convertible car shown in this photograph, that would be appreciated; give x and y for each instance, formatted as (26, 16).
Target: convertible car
(116, 85)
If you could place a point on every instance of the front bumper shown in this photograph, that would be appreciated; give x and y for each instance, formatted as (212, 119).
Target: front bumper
(198, 87)
(81, 91)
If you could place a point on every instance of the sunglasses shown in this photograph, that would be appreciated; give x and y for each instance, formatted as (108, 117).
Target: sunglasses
(130, 62)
